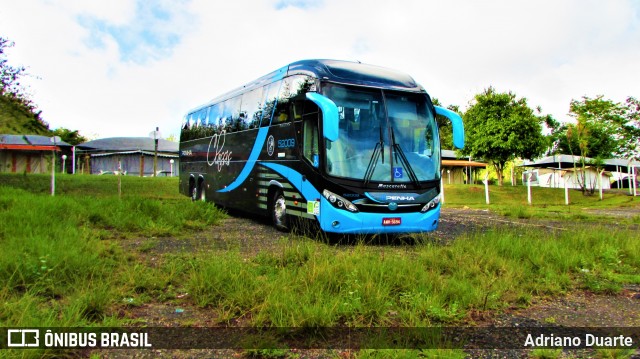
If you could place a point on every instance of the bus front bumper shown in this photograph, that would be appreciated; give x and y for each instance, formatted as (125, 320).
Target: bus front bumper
(336, 220)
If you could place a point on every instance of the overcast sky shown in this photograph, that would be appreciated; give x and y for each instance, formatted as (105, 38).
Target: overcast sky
(123, 67)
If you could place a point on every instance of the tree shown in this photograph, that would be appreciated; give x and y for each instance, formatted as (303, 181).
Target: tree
(500, 128)
(612, 128)
(597, 132)
(586, 139)
(10, 75)
(69, 136)
(603, 129)
(19, 112)
(631, 129)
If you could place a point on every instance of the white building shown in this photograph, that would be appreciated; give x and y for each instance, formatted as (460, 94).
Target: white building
(560, 170)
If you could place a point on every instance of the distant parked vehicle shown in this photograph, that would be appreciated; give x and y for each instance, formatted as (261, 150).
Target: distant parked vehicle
(113, 173)
(161, 174)
(623, 183)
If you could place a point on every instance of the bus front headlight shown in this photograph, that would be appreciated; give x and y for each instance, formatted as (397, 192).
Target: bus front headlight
(339, 202)
(432, 204)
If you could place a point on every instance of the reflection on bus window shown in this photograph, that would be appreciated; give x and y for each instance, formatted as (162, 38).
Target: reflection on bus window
(251, 103)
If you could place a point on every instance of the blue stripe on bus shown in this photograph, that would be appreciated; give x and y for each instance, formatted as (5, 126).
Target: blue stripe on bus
(251, 162)
(257, 146)
(361, 222)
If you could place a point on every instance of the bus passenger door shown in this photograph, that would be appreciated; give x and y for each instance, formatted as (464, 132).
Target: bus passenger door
(306, 115)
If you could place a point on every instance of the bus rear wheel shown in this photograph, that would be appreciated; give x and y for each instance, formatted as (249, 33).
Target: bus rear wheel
(202, 193)
(279, 211)
(194, 192)
(198, 192)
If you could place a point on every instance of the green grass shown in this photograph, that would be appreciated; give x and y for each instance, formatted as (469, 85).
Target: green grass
(55, 264)
(165, 188)
(62, 263)
(410, 354)
(546, 354)
(546, 202)
(614, 353)
(310, 284)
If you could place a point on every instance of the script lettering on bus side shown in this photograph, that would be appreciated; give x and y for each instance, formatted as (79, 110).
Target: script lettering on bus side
(220, 157)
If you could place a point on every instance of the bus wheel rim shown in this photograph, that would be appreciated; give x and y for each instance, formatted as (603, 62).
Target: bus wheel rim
(280, 209)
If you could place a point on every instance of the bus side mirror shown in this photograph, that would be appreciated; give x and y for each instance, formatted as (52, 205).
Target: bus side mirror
(330, 117)
(456, 123)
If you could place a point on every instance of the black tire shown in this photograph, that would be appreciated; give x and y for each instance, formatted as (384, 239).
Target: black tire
(279, 211)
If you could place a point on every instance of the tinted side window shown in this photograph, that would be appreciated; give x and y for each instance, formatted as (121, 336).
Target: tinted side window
(293, 87)
(216, 116)
(232, 115)
(281, 113)
(186, 129)
(205, 128)
(197, 124)
(271, 98)
(301, 84)
(251, 108)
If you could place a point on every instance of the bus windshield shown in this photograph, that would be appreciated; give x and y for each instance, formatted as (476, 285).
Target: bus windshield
(385, 136)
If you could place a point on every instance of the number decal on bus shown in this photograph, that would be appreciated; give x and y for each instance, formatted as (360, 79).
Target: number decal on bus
(287, 143)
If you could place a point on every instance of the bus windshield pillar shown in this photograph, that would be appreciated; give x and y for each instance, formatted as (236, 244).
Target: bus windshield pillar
(456, 124)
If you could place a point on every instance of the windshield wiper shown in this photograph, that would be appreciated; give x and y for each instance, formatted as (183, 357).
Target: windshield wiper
(382, 144)
(400, 154)
(373, 162)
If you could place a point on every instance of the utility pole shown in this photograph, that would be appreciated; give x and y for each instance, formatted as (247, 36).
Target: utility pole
(54, 140)
(156, 136)
(155, 152)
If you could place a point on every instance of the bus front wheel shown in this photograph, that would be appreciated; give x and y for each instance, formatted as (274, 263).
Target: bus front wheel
(279, 211)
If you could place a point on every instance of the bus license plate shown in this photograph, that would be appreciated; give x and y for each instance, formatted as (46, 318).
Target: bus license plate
(396, 221)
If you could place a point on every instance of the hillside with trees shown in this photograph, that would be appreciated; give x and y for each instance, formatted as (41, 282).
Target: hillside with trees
(16, 118)
(18, 114)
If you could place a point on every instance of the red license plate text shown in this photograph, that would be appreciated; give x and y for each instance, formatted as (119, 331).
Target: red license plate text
(391, 221)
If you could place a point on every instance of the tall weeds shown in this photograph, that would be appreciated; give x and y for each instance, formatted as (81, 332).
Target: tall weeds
(307, 283)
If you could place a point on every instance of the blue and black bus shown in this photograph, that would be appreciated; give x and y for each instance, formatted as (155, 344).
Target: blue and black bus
(351, 146)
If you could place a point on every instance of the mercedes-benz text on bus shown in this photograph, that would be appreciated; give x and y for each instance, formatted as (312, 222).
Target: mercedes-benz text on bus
(354, 147)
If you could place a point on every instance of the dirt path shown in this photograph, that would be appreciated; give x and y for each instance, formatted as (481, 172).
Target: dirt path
(455, 222)
(249, 236)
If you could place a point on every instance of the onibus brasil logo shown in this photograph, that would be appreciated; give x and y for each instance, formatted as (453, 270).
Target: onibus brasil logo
(34, 338)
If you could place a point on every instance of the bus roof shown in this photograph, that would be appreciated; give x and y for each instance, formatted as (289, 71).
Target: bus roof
(355, 73)
(344, 72)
